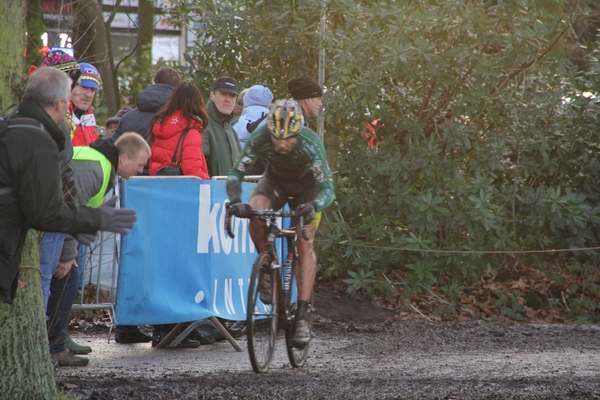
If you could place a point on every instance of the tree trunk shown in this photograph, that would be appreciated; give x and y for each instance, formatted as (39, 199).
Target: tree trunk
(143, 52)
(89, 36)
(25, 368)
(24, 351)
(35, 30)
(12, 46)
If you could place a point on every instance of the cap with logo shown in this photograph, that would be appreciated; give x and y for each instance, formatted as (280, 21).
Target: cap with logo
(90, 77)
(226, 84)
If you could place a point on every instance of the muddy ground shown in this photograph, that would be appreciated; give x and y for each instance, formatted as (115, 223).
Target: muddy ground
(359, 353)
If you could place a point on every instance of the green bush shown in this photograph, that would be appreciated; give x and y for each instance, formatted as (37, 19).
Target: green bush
(487, 139)
(486, 143)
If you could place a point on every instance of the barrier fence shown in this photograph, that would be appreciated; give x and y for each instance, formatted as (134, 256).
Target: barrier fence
(100, 264)
(99, 275)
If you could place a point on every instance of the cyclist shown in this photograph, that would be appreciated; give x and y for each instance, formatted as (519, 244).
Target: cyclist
(297, 173)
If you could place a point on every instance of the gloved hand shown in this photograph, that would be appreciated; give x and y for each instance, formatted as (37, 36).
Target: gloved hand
(241, 210)
(86, 239)
(306, 210)
(116, 220)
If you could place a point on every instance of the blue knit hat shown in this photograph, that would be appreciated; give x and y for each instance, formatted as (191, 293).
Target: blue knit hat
(258, 95)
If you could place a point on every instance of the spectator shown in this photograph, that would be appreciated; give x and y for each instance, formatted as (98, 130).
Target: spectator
(30, 180)
(82, 115)
(220, 143)
(152, 99)
(112, 122)
(309, 95)
(82, 132)
(52, 242)
(239, 106)
(184, 114)
(94, 170)
(256, 103)
(179, 125)
(63, 62)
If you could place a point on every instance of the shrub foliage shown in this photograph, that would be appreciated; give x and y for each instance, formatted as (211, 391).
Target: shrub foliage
(482, 149)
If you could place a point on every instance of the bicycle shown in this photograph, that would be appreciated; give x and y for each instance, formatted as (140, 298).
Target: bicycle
(264, 320)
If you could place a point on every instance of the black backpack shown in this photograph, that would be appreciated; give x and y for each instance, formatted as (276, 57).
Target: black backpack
(251, 126)
(6, 122)
(260, 165)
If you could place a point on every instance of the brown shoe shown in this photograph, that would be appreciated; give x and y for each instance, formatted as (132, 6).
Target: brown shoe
(68, 359)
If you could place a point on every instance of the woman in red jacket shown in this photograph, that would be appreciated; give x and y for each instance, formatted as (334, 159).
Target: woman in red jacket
(185, 109)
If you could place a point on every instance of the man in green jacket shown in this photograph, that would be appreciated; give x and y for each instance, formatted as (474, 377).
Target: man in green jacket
(220, 143)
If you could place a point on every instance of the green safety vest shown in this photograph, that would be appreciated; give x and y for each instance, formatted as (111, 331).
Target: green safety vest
(85, 153)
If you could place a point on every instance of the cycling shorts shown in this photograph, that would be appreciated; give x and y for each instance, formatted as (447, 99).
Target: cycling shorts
(294, 192)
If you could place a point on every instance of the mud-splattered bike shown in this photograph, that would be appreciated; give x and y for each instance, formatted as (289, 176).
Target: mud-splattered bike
(265, 318)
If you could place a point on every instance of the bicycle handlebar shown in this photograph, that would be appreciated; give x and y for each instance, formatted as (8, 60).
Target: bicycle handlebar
(265, 214)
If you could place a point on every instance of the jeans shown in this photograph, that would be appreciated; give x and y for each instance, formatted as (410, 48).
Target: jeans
(62, 294)
(50, 250)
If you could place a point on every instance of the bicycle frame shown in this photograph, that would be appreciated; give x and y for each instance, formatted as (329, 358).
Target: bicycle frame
(279, 310)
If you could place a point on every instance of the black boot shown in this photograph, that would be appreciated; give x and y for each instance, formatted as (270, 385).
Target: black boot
(302, 335)
(157, 335)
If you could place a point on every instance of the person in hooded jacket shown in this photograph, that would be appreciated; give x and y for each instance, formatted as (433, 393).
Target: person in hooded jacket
(152, 99)
(256, 106)
(184, 113)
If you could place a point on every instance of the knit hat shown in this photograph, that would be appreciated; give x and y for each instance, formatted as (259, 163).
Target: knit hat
(117, 117)
(90, 77)
(304, 88)
(64, 62)
(258, 95)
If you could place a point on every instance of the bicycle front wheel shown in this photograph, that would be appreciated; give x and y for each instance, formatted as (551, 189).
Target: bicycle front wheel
(261, 320)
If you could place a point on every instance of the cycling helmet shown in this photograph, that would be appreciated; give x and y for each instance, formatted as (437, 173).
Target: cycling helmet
(285, 119)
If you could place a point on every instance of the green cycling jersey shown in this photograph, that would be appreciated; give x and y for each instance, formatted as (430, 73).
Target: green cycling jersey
(308, 156)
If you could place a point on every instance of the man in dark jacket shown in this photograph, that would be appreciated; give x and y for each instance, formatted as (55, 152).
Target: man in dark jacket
(152, 99)
(308, 94)
(30, 179)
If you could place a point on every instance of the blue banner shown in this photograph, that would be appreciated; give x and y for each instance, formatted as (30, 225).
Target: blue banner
(178, 264)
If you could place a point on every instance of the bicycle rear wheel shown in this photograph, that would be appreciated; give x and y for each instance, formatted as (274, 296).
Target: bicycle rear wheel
(261, 320)
(297, 356)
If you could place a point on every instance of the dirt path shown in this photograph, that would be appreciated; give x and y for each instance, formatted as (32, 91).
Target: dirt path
(359, 358)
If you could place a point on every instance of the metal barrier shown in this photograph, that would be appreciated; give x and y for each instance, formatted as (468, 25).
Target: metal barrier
(99, 275)
(247, 178)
